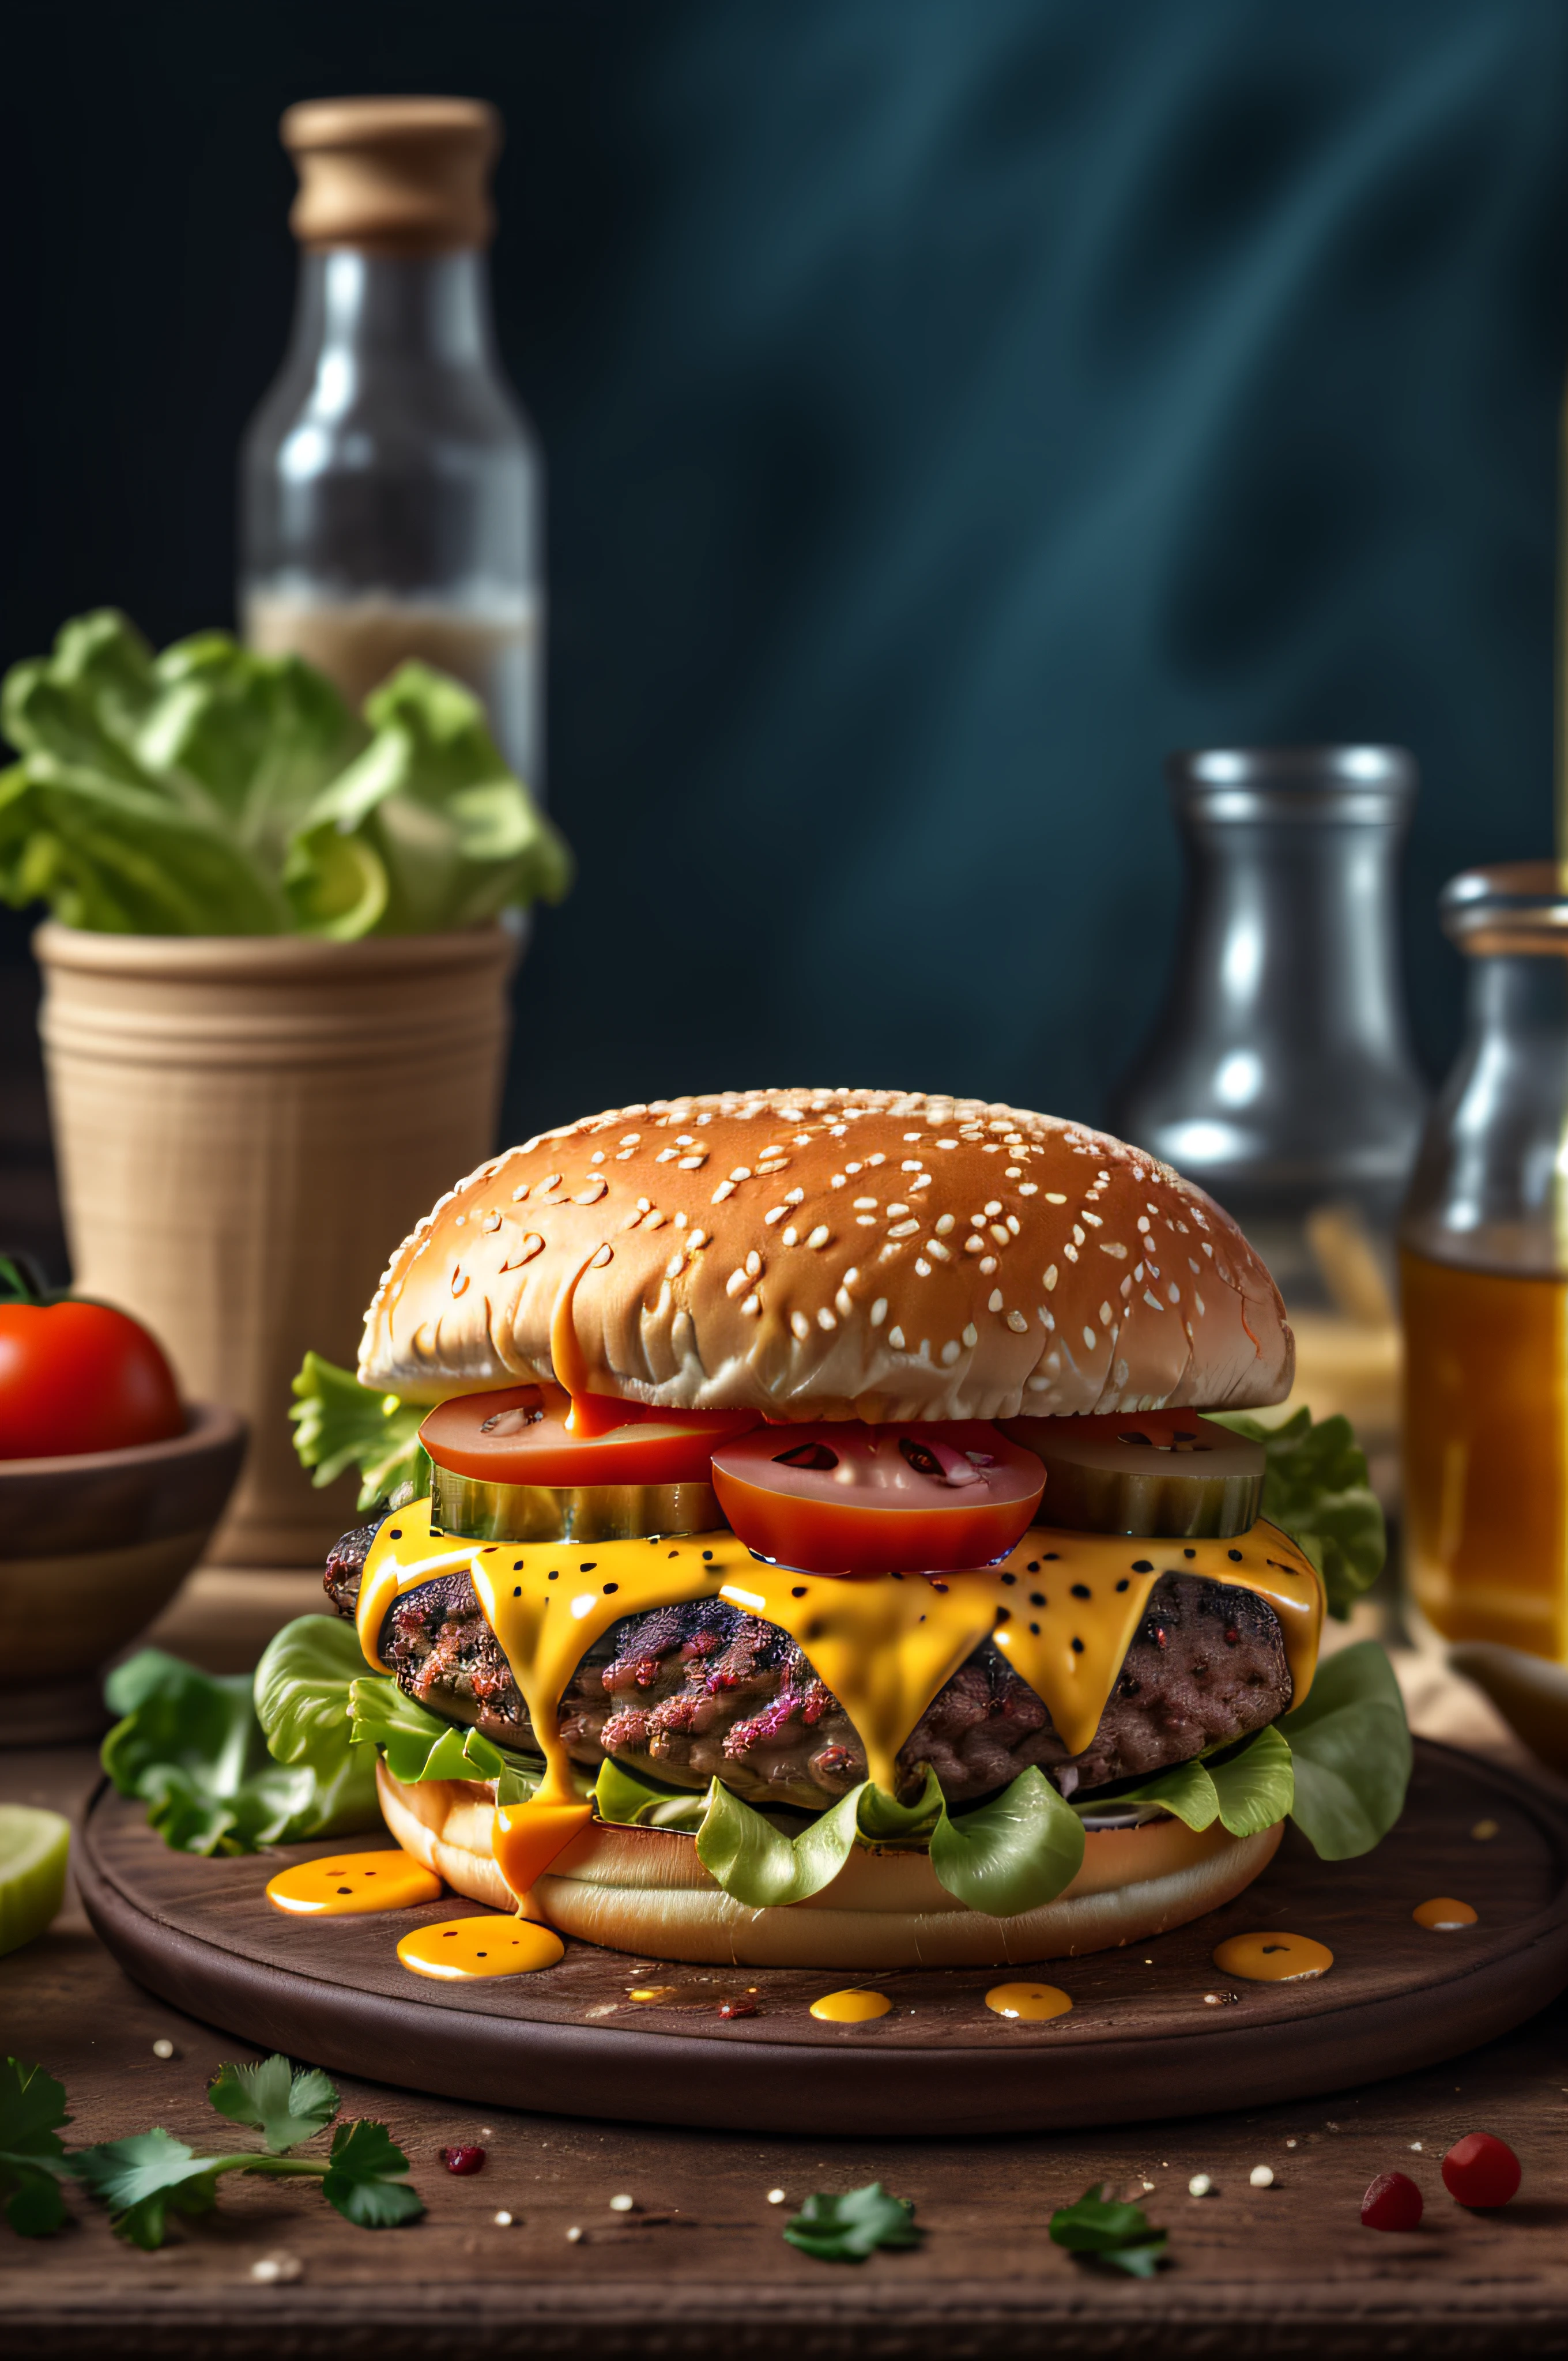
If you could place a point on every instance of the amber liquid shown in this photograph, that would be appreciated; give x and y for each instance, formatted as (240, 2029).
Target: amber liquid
(1485, 1453)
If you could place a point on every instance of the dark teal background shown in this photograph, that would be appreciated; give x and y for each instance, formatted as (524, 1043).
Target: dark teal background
(950, 406)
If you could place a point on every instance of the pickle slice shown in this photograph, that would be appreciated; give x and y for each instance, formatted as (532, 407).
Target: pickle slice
(586, 1512)
(1167, 1473)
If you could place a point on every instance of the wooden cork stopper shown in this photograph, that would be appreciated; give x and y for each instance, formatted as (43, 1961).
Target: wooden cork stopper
(395, 176)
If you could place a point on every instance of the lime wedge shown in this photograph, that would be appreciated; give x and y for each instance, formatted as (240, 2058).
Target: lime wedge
(33, 1848)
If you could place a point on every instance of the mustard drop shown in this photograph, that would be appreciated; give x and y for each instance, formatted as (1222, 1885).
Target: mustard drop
(1443, 1914)
(1033, 2000)
(458, 1951)
(851, 2007)
(343, 1884)
(1273, 1958)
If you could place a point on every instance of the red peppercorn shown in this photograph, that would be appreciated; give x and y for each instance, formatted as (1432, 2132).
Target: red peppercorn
(1393, 2202)
(463, 2160)
(1480, 2170)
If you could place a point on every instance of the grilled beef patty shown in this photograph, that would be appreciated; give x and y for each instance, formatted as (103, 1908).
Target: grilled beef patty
(687, 1692)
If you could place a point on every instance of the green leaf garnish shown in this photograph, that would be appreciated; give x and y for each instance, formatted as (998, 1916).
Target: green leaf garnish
(1110, 2232)
(340, 1424)
(360, 2179)
(762, 1866)
(1351, 1746)
(1011, 1854)
(1315, 1488)
(286, 2104)
(143, 2179)
(302, 1689)
(628, 1800)
(32, 2156)
(847, 2229)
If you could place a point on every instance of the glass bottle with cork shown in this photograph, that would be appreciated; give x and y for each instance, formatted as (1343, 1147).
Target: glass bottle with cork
(391, 491)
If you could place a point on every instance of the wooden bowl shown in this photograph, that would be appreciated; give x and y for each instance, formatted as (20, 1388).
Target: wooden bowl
(91, 1546)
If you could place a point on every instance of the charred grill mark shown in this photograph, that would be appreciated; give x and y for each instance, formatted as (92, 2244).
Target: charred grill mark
(694, 1691)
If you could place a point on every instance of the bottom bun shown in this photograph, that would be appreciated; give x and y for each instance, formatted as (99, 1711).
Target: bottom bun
(644, 1890)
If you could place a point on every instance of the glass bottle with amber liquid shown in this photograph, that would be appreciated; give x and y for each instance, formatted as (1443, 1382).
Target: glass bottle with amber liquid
(1484, 1278)
(390, 490)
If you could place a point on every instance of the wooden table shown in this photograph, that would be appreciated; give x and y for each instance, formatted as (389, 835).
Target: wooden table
(700, 2268)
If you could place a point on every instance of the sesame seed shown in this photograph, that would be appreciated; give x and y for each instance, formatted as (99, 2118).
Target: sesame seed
(1261, 2176)
(503, 2220)
(801, 1325)
(1051, 1279)
(792, 1236)
(935, 1246)
(922, 1268)
(752, 1306)
(795, 1196)
(987, 1265)
(775, 2197)
(904, 1229)
(878, 1311)
(950, 1352)
(971, 1336)
(819, 1237)
(775, 1214)
(1174, 1292)
(725, 1188)
(1106, 1316)
(163, 2047)
(1028, 1189)
(974, 1245)
(994, 1206)
(896, 1213)
(753, 1265)
(1054, 1197)
(734, 1283)
(896, 1338)
(865, 1204)
(845, 1302)
(1200, 2185)
(1077, 1236)
(1089, 1338)
(994, 1301)
(1016, 1322)
(1152, 1301)
(677, 1263)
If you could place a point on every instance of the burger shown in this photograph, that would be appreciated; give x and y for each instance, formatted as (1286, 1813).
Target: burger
(826, 1557)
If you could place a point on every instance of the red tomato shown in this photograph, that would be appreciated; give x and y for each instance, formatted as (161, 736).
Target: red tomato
(520, 1436)
(1480, 2170)
(847, 1499)
(81, 1376)
(1392, 2202)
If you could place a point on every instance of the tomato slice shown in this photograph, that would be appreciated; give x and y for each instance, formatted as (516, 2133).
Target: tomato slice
(848, 1499)
(519, 1435)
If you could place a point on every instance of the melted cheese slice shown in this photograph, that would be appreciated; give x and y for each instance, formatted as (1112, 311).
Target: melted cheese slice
(1062, 1607)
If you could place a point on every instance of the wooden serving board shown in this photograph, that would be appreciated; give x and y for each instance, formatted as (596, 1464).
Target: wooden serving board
(1155, 2029)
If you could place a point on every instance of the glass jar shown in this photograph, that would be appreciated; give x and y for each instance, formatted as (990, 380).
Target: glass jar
(391, 491)
(1484, 1282)
(1280, 1076)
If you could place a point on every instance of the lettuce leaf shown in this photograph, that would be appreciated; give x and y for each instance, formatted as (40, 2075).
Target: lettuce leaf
(628, 1801)
(190, 1745)
(301, 1692)
(442, 834)
(418, 1744)
(1013, 1853)
(210, 790)
(1315, 1489)
(340, 1424)
(1351, 1746)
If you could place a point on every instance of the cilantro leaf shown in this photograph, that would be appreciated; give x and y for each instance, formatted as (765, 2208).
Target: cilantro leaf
(360, 2179)
(141, 2178)
(32, 2158)
(1109, 2231)
(340, 1424)
(1315, 1488)
(847, 2229)
(288, 2104)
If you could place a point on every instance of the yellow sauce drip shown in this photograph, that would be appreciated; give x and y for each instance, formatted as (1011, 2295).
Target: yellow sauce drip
(457, 1950)
(346, 1884)
(1062, 1606)
(590, 1414)
(1273, 1958)
(1032, 2001)
(1442, 1915)
(851, 2007)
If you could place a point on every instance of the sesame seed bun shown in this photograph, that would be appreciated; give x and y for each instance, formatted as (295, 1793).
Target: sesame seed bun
(644, 1890)
(832, 1253)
